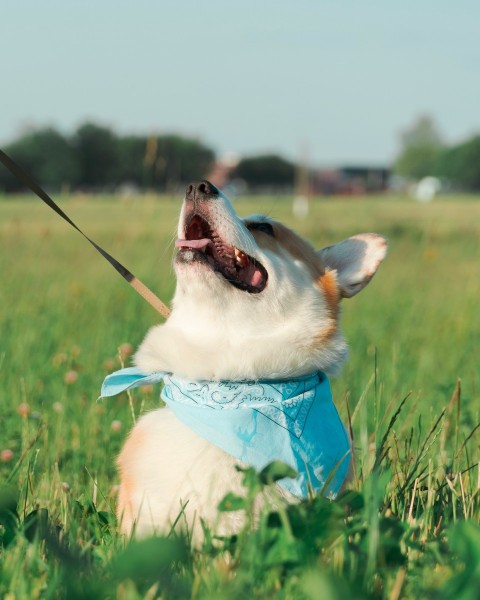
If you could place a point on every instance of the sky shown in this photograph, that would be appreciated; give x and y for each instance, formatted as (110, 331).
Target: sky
(334, 81)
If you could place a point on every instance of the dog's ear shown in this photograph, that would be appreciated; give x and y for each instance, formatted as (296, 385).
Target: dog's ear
(355, 261)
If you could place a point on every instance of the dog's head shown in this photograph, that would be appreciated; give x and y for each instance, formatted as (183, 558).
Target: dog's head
(253, 299)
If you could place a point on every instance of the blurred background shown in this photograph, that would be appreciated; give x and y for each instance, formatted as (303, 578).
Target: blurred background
(306, 98)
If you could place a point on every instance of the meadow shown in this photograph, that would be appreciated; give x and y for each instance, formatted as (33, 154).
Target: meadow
(410, 525)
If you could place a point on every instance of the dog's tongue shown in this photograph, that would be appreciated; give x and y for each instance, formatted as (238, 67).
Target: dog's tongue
(197, 244)
(252, 275)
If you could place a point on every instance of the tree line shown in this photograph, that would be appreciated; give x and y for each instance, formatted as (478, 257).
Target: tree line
(95, 158)
(424, 153)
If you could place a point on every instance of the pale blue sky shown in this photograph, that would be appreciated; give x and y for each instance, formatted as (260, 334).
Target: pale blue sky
(342, 77)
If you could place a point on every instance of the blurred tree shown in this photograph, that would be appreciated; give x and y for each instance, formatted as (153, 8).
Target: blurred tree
(461, 164)
(131, 167)
(96, 150)
(268, 170)
(180, 160)
(421, 147)
(95, 158)
(163, 162)
(46, 155)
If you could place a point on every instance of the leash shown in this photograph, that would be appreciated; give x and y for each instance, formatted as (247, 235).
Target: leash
(137, 285)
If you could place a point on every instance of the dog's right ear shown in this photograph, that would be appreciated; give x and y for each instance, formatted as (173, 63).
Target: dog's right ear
(355, 261)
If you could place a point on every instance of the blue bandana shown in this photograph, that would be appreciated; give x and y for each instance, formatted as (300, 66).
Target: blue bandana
(257, 422)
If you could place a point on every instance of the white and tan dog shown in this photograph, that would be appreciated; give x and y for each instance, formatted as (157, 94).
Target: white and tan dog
(253, 301)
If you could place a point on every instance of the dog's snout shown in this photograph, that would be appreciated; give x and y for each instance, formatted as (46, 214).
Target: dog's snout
(201, 190)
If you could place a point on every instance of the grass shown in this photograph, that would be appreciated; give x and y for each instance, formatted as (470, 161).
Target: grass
(409, 528)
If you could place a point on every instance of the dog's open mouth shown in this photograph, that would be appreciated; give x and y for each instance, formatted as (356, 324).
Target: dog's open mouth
(203, 244)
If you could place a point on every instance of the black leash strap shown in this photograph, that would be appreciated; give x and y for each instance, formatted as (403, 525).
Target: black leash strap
(141, 288)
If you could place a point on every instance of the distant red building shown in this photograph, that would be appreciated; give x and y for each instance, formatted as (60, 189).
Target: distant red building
(350, 181)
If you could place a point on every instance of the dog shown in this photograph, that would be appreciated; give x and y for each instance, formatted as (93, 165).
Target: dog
(254, 303)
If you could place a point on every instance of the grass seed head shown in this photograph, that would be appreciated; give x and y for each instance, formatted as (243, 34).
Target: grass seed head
(125, 350)
(6, 455)
(70, 377)
(23, 410)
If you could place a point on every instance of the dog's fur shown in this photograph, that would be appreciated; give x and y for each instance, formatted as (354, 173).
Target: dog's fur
(284, 325)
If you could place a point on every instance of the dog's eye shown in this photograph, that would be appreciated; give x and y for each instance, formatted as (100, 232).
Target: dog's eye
(262, 226)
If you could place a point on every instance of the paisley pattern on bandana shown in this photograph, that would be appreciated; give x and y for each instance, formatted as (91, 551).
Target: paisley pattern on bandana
(294, 421)
(287, 405)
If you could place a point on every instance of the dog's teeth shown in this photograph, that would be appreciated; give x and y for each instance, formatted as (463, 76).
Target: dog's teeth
(241, 258)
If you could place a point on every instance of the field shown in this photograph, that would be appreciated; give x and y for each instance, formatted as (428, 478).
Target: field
(410, 526)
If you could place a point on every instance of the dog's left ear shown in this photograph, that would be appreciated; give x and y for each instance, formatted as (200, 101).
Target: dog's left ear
(355, 261)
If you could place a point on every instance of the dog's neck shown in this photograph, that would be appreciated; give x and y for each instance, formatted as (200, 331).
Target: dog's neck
(209, 343)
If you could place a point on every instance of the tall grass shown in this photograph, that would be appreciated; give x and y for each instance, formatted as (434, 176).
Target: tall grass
(409, 528)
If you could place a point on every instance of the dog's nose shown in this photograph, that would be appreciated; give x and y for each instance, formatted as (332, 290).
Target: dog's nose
(201, 190)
